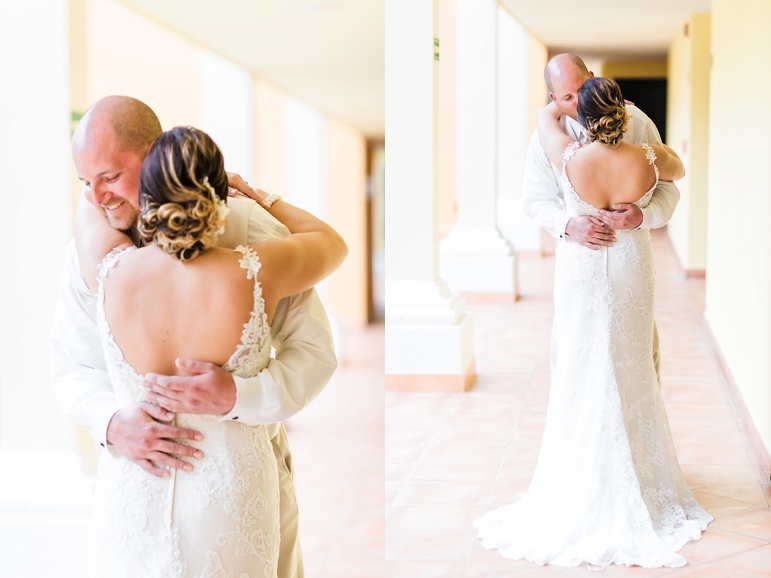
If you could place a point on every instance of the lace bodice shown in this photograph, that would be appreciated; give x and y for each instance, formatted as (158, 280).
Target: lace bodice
(219, 520)
(576, 205)
(250, 356)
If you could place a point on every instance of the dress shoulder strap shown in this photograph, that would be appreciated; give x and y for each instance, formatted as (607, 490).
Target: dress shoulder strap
(570, 150)
(649, 153)
(256, 333)
(109, 261)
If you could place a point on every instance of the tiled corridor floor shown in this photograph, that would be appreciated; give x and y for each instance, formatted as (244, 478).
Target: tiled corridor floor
(452, 457)
(337, 449)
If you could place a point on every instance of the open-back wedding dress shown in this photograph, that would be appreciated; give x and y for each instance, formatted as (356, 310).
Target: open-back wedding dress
(221, 519)
(607, 487)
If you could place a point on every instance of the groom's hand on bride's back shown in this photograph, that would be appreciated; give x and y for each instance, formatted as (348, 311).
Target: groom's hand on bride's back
(139, 433)
(590, 232)
(206, 390)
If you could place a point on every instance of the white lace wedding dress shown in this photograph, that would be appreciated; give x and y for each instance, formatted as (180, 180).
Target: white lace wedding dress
(221, 520)
(607, 487)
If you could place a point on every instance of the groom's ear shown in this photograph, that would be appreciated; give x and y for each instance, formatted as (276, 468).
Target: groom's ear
(591, 74)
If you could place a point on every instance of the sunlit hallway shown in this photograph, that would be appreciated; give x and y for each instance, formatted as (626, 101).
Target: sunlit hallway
(295, 113)
(450, 457)
(454, 325)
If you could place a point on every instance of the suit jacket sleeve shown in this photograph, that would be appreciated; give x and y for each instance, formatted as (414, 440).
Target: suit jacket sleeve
(81, 383)
(543, 200)
(666, 196)
(305, 356)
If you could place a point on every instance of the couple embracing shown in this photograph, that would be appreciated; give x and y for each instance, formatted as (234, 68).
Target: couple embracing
(173, 296)
(607, 487)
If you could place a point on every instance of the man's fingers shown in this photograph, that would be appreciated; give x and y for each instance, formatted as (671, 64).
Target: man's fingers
(157, 412)
(151, 468)
(172, 462)
(193, 367)
(174, 449)
(167, 404)
(170, 432)
(166, 383)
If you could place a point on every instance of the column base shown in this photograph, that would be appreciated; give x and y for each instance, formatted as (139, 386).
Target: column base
(438, 382)
(429, 341)
(478, 261)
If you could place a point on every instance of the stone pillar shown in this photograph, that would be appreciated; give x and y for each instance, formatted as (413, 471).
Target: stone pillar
(428, 331)
(514, 129)
(475, 258)
(44, 497)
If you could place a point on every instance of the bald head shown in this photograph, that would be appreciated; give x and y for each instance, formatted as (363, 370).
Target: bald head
(564, 75)
(132, 124)
(563, 65)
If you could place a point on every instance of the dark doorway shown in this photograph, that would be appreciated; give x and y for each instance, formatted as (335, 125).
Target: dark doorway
(650, 96)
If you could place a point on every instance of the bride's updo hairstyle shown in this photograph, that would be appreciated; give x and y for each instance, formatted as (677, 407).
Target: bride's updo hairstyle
(602, 111)
(181, 187)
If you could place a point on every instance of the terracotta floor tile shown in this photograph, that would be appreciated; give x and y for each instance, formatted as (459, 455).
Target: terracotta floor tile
(721, 506)
(490, 564)
(432, 517)
(749, 493)
(725, 455)
(705, 474)
(477, 473)
(427, 544)
(443, 493)
(706, 571)
(754, 523)
(716, 543)
(467, 455)
(424, 568)
(468, 435)
(755, 562)
(337, 448)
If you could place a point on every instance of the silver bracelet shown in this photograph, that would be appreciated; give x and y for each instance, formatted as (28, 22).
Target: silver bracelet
(270, 199)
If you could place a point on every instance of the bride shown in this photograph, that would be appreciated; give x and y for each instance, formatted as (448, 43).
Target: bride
(181, 297)
(607, 487)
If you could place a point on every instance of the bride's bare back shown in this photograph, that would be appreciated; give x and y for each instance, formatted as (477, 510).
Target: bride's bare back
(604, 176)
(160, 309)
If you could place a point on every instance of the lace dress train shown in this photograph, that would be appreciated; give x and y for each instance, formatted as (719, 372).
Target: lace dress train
(221, 519)
(607, 487)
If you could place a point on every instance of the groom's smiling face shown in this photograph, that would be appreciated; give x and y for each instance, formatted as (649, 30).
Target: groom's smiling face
(110, 174)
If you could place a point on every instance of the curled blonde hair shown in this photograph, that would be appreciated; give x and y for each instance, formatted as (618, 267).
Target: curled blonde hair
(181, 186)
(601, 109)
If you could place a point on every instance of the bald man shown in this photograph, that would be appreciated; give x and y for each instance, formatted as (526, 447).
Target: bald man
(109, 146)
(564, 75)
(543, 199)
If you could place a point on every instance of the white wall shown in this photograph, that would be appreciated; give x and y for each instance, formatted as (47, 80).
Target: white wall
(738, 307)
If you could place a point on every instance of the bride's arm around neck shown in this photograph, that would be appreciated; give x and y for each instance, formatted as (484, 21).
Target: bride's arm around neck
(312, 251)
(94, 238)
(551, 136)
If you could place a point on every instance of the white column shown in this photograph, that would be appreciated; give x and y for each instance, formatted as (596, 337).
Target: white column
(475, 257)
(428, 332)
(44, 498)
(513, 133)
(227, 112)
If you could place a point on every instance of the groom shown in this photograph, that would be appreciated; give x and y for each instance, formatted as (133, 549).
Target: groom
(118, 132)
(543, 200)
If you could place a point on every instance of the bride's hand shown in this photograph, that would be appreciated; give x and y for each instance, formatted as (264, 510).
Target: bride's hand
(237, 185)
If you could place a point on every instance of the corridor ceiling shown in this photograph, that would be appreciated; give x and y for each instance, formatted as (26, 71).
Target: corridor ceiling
(607, 29)
(331, 54)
